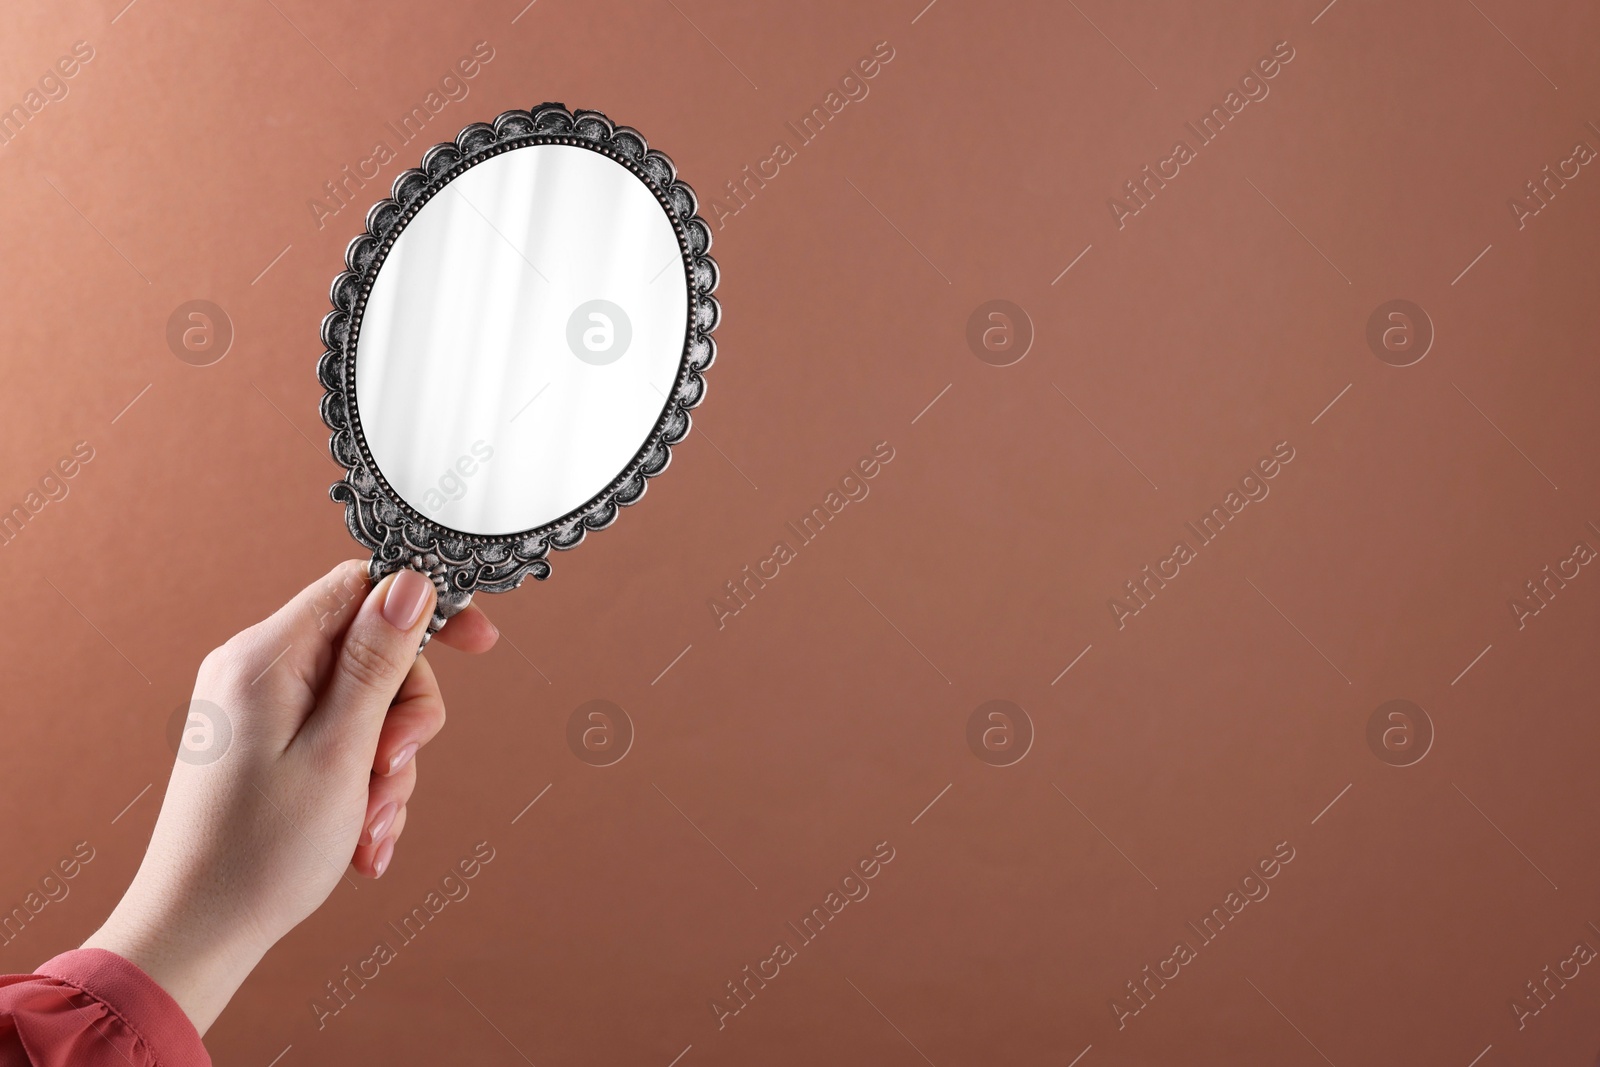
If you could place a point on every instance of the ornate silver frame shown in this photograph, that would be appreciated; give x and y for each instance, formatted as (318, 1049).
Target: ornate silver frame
(459, 563)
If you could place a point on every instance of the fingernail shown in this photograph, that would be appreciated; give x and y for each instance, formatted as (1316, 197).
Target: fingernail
(402, 758)
(379, 824)
(380, 862)
(407, 595)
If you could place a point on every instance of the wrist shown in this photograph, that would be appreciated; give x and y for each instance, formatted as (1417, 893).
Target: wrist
(198, 968)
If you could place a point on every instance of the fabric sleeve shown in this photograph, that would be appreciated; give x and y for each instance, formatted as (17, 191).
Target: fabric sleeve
(92, 1008)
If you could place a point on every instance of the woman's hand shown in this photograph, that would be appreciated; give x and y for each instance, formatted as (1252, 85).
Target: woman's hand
(305, 728)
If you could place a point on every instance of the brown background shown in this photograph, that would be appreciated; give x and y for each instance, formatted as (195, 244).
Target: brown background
(1222, 720)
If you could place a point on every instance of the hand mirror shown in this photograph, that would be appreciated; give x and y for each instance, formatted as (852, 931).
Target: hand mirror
(514, 348)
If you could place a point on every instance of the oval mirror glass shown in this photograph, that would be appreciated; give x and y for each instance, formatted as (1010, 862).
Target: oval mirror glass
(521, 339)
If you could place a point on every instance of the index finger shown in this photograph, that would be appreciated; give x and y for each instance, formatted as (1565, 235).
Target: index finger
(469, 631)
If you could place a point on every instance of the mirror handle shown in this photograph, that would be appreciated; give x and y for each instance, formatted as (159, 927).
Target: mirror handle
(449, 602)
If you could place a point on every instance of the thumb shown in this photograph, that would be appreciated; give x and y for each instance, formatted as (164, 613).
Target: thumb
(376, 654)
